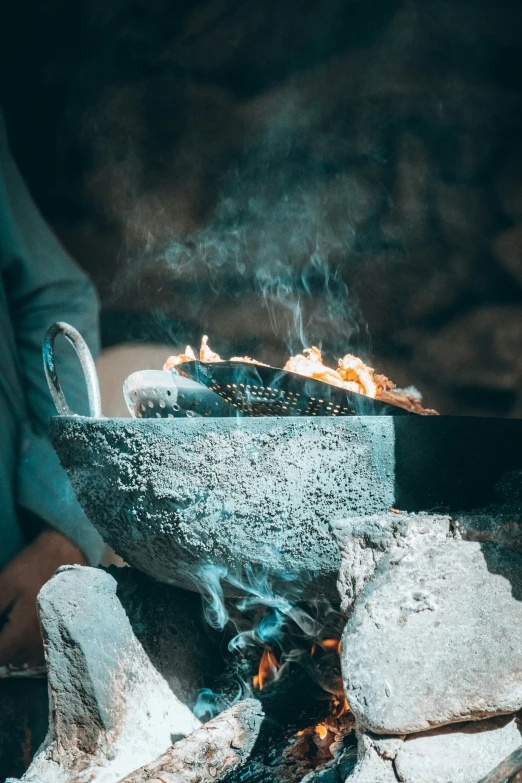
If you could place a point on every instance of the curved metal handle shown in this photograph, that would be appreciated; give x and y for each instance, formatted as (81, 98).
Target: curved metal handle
(88, 367)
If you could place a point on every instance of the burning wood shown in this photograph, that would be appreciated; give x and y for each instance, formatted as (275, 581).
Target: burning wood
(206, 755)
(351, 374)
(269, 670)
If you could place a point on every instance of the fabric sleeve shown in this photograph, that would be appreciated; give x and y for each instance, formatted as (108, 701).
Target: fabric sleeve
(44, 285)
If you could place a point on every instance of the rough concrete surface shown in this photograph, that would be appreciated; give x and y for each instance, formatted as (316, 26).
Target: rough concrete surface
(110, 710)
(170, 495)
(435, 637)
(364, 541)
(457, 754)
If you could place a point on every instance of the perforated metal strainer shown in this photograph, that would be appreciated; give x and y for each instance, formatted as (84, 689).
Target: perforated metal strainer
(214, 389)
(163, 394)
(257, 390)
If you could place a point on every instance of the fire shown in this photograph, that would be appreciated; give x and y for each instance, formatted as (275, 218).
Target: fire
(268, 669)
(172, 361)
(331, 727)
(206, 354)
(331, 644)
(327, 644)
(351, 374)
(340, 706)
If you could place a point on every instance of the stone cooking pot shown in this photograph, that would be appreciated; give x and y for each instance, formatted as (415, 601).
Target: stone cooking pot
(173, 495)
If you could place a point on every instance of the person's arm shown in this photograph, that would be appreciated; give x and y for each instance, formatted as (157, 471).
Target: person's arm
(43, 285)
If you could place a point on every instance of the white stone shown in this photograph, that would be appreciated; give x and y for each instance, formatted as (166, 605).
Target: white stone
(110, 710)
(375, 757)
(457, 754)
(364, 540)
(435, 637)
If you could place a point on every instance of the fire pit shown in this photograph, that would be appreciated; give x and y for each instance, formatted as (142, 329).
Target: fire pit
(299, 532)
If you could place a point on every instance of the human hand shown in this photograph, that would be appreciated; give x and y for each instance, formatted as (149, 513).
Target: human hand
(20, 582)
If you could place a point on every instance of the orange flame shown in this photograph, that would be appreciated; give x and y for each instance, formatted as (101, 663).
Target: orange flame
(268, 668)
(327, 645)
(352, 373)
(206, 354)
(331, 644)
(340, 706)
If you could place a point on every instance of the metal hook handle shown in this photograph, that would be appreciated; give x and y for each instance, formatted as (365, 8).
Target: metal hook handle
(88, 367)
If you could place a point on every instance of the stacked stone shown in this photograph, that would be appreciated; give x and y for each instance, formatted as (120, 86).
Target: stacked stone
(431, 653)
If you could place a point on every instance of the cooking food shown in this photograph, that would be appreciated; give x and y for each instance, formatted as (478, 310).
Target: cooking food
(206, 354)
(351, 374)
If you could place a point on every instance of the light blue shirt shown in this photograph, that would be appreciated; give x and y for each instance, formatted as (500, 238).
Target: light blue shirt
(39, 284)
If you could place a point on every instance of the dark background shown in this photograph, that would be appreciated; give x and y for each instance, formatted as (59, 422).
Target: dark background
(346, 172)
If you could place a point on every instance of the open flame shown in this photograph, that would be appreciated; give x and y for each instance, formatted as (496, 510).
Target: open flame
(268, 669)
(327, 645)
(206, 354)
(351, 374)
(338, 704)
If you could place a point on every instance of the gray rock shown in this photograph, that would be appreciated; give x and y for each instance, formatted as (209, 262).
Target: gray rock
(111, 711)
(375, 757)
(435, 637)
(170, 625)
(364, 541)
(457, 754)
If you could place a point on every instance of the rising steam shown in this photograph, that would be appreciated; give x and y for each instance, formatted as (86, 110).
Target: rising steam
(271, 223)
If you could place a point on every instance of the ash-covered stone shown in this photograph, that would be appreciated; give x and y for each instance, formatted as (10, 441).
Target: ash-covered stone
(435, 637)
(110, 709)
(457, 754)
(375, 757)
(364, 541)
(170, 624)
